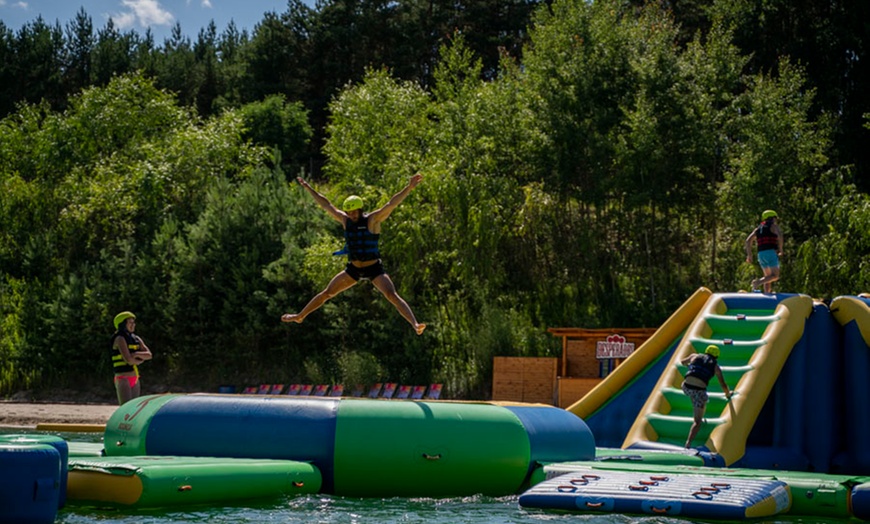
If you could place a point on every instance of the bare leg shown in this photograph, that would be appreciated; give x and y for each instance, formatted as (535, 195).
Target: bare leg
(122, 388)
(771, 275)
(696, 425)
(385, 285)
(339, 283)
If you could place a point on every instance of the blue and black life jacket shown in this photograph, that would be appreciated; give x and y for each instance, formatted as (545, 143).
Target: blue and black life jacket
(118, 363)
(360, 243)
(702, 367)
(765, 237)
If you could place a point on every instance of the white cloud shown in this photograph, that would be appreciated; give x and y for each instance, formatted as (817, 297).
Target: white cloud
(206, 3)
(143, 13)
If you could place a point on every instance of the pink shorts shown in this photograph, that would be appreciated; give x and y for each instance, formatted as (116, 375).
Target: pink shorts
(131, 380)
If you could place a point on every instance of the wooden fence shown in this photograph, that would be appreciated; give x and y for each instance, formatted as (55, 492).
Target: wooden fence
(524, 379)
(587, 356)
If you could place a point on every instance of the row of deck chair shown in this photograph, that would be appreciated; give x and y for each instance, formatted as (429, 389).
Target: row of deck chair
(394, 390)
(378, 390)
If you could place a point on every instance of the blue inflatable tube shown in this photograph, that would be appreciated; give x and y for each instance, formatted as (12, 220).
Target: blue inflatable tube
(554, 437)
(57, 443)
(29, 483)
(861, 501)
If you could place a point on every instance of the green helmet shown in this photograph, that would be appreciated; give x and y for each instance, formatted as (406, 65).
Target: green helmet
(768, 214)
(352, 202)
(712, 350)
(122, 316)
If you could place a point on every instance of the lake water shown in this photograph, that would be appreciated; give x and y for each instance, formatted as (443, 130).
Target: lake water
(326, 509)
(340, 510)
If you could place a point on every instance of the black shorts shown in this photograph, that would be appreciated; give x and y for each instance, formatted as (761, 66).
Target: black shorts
(365, 273)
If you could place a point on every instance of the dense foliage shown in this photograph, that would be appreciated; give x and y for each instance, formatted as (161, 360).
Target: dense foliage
(593, 170)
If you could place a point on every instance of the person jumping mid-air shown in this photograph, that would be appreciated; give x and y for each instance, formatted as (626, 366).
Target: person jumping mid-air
(361, 233)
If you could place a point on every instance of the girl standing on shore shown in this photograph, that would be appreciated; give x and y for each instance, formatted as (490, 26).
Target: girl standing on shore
(128, 351)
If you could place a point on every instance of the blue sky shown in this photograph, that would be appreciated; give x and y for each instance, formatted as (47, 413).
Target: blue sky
(159, 15)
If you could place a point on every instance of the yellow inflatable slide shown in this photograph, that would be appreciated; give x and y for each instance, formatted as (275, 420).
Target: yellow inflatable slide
(754, 345)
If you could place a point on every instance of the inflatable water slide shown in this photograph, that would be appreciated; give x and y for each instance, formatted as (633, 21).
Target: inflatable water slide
(780, 353)
(795, 438)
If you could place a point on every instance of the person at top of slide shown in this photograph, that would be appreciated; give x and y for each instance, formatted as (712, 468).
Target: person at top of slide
(768, 238)
(362, 234)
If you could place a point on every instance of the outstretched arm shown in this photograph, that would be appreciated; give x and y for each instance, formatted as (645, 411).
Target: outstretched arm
(323, 202)
(381, 214)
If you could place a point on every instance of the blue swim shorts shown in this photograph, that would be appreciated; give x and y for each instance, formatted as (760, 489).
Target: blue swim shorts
(768, 258)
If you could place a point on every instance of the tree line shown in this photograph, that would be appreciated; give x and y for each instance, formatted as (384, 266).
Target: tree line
(586, 164)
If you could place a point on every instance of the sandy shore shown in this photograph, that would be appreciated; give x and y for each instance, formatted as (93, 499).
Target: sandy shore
(31, 414)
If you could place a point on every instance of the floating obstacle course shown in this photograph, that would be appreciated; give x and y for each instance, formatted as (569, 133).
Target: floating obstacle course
(793, 441)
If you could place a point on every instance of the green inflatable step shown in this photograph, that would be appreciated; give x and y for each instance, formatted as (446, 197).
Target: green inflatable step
(162, 481)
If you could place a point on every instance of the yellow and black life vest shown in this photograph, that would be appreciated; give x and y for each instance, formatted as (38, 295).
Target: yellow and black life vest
(133, 344)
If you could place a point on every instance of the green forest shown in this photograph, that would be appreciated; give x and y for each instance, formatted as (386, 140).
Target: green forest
(586, 164)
